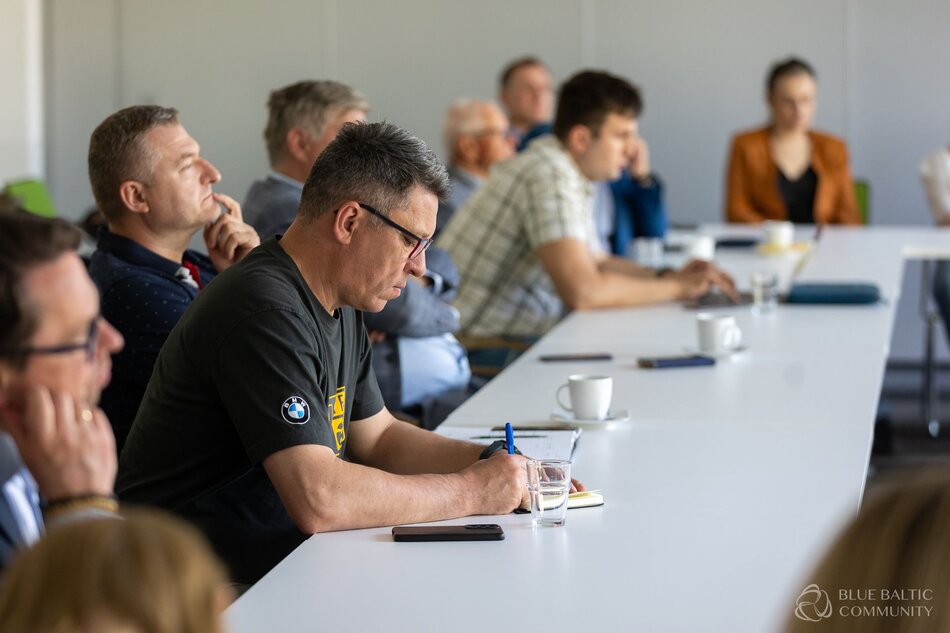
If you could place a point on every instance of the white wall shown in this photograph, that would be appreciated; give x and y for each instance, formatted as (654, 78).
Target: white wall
(700, 64)
(21, 108)
(882, 76)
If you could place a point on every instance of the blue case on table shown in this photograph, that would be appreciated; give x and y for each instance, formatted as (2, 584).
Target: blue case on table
(834, 293)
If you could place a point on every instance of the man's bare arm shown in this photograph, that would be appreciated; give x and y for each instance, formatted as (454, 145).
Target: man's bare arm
(382, 441)
(614, 264)
(323, 493)
(582, 284)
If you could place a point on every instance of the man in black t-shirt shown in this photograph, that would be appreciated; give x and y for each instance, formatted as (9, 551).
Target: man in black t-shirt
(263, 422)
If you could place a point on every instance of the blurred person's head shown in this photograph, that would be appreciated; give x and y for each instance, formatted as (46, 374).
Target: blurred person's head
(147, 573)
(147, 175)
(790, 94)
(369, 205)
(527, 93)
(898, 541)
(51, 332)
(476, 135)
(9, 204)
(92, 222)
(302, 120)
(596, 121)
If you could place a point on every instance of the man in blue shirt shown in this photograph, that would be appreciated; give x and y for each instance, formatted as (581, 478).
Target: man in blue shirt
(155, 190)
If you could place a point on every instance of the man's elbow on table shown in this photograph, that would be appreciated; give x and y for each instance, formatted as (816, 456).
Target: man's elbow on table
(307, 480)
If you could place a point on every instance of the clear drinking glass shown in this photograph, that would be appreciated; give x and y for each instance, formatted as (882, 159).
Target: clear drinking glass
(764, 292)
(549, 484)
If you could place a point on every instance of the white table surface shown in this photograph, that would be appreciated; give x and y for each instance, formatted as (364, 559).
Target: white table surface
(722, 490)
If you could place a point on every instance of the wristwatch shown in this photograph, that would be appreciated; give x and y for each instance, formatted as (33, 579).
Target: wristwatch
(494, 447)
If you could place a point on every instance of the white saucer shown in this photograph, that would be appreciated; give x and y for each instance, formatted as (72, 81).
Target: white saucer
(717, 355)
(614, 415)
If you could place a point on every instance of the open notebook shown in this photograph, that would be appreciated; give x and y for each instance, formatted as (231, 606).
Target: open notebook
(536, 442)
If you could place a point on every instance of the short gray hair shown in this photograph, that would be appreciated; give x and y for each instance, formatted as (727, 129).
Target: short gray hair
(463, 117)
(310, 104)
(117, 153)
(375, 163)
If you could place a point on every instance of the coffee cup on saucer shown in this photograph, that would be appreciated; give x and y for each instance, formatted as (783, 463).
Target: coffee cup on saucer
(718, 334)
(588, 396)
(778, 234)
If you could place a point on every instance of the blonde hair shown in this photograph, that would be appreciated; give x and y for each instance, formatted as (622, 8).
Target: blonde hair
(900, 540)
(150, 572)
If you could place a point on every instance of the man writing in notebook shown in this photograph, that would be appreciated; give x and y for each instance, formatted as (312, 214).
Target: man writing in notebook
(263, 422)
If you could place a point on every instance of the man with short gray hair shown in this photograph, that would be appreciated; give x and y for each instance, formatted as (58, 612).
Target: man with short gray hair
(476, 136)
(302, 120)
(263, 422)
(156, 192)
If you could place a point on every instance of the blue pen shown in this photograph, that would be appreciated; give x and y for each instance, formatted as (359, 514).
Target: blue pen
(510, 438)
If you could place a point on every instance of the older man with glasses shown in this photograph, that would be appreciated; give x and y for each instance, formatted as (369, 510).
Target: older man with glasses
(263, 422)
(476, 135)
(54, 362)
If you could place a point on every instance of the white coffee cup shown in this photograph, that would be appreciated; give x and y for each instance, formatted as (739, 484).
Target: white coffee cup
(778, 233)
(717, 334)
(589, 396)
(702, 247)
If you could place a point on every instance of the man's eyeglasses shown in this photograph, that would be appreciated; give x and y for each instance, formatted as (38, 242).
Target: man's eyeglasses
(507, 134)
(89, 346)
(421, 243)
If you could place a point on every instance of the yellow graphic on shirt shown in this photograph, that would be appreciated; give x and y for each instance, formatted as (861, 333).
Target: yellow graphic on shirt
(336, 409)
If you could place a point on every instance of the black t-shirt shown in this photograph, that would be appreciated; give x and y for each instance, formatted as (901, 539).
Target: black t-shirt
(255, 365)
(799, 196)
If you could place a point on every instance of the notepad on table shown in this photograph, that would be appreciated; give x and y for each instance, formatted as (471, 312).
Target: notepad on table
(584, 500)
(536, 442)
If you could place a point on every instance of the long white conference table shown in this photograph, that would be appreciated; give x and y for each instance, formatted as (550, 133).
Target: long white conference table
(722, 490)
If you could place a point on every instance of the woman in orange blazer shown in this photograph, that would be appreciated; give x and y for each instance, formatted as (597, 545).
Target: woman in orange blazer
(786, 170)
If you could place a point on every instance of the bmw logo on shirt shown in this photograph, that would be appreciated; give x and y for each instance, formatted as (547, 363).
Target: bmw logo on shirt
(295, 410)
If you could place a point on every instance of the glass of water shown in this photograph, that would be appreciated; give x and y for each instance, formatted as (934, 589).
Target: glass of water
(764, 292)
(549, 484)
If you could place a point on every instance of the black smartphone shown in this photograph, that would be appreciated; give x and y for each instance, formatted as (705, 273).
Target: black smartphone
(471, 532)
(555, 358)
(696, 360)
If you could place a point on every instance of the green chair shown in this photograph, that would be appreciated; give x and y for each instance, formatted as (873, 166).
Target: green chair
(33, 196)
(862, 193)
